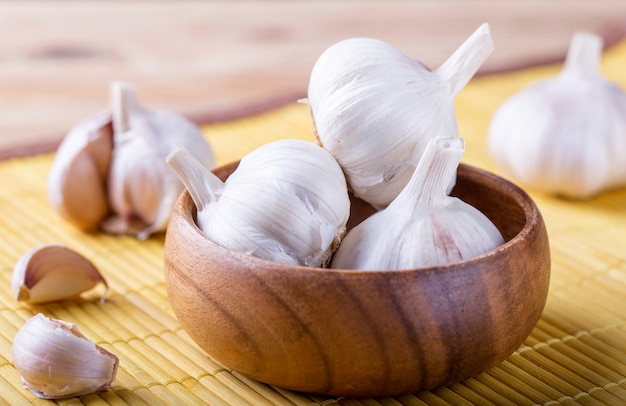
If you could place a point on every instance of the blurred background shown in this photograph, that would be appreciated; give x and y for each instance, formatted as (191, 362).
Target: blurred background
(215, 60)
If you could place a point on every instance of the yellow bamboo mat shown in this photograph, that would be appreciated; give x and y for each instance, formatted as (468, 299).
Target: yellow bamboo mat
(575, 356)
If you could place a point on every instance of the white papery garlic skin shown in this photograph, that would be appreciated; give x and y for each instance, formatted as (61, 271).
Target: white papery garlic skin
(423, 226)
(375, 109)
(53, 272)
(56, 361)
(287, 201)
(109, 172)
(565, 135)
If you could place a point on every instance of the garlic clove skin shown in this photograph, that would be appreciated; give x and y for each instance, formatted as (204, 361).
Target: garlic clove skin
(375, 109)
(53, 272)
(78, 176)
(423, 226)
(287, 201)
(56, 361)
(566, 134)
(142, 189)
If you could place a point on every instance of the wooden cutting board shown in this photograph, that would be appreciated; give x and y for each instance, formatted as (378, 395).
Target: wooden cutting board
(218, 60)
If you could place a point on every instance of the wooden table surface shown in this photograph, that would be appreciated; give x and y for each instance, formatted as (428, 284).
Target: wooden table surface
(215, 60)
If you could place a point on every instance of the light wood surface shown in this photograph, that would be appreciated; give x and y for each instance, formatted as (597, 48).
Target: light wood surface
(215, 60)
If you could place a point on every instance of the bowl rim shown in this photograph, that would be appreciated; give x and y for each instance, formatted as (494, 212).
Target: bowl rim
(532, 215)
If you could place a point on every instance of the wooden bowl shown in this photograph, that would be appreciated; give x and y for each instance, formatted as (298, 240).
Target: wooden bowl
(364, 333)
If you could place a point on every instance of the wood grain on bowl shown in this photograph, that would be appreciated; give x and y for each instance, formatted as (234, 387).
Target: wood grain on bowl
(364, 333)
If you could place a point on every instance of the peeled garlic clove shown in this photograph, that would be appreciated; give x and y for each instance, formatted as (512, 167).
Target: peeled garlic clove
(142, 189)
(78, 176)
(566, 134)
(287, 201)
(57, 361)
(53, 272)
(423, 226)
(375, 109)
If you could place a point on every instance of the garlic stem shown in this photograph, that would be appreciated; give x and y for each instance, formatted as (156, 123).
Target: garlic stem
(431, 180)
(584, 54)
(463, 64)
(202, 184)
(123, 100)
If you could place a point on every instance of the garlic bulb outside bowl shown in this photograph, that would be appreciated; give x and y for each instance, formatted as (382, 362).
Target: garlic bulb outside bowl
(363, 333)
(566, 134)
(109, 173)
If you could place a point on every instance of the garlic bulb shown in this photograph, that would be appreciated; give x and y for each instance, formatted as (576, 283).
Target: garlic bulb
(287, 201)
(53, 272)
(56, 361)
(423, 226)
(376, 109)
(566, 134)
(109, 171)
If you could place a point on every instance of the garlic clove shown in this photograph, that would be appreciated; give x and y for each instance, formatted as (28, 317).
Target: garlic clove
(423, 226)
(56, 361)
(77, 178)
(287, 201)
(375, 109)
(566, 134)
(142, 189)
(53, 272)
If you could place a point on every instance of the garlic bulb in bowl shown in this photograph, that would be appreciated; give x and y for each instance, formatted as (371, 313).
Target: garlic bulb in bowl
(423, 226)
(287, 202)
(565, 135)
(375, 109)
